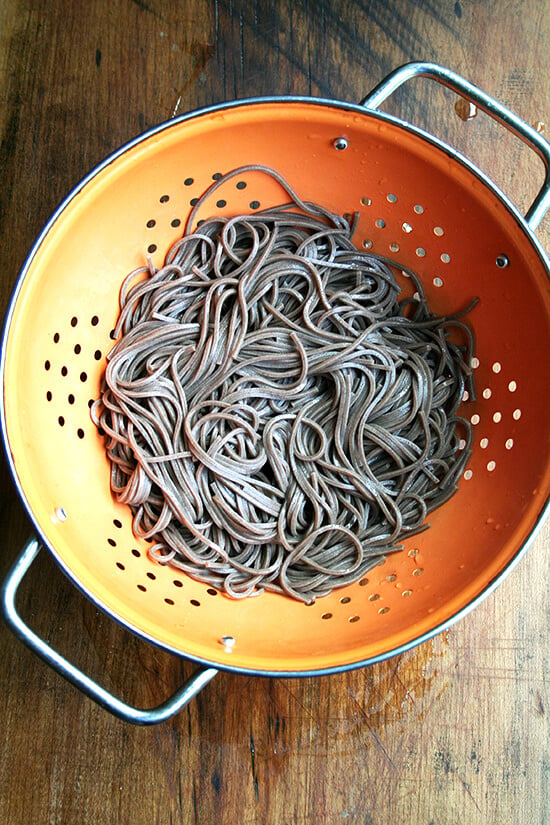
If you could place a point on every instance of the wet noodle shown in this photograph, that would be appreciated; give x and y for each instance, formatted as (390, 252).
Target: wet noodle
(275, 417)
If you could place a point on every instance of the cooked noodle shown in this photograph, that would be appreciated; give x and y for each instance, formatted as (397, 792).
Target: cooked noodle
(274, 416)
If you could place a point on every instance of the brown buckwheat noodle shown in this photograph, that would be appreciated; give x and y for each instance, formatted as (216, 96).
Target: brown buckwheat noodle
(275, 417)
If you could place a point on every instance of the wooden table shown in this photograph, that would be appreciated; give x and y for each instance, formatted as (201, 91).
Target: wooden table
(453, 732)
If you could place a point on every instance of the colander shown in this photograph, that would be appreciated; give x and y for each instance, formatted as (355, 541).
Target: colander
(419, 202)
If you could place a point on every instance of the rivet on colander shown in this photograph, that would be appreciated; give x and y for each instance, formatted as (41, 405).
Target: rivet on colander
(340, 143)
(228, 643)
(502, 261)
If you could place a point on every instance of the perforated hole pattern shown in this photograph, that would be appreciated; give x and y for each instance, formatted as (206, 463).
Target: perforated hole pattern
(69, 400)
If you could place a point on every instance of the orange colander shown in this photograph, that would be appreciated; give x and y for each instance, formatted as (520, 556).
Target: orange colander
(420, 203)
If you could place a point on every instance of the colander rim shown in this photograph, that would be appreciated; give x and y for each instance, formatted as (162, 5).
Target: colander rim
(127, 146)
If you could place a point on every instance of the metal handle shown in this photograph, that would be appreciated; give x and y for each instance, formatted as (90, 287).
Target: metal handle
(127, 713)
(487, 104)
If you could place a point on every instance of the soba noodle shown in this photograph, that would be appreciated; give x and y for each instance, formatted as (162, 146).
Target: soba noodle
(275, 417)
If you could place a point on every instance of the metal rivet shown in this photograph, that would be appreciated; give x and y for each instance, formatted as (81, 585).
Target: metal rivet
(340, 143)
(465, 109)
(228, 643)
(502, 261)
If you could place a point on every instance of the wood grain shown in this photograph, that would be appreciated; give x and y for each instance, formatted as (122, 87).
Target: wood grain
(453, 732)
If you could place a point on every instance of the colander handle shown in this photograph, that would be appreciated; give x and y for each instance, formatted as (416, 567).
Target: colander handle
(116, 706)
(487, 104)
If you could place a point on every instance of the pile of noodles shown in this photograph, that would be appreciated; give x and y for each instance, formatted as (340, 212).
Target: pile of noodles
(275, 417)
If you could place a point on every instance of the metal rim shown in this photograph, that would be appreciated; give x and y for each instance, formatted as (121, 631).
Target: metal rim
(128, 146)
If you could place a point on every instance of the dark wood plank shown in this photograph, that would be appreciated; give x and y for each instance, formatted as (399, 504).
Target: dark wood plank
(454, 731)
